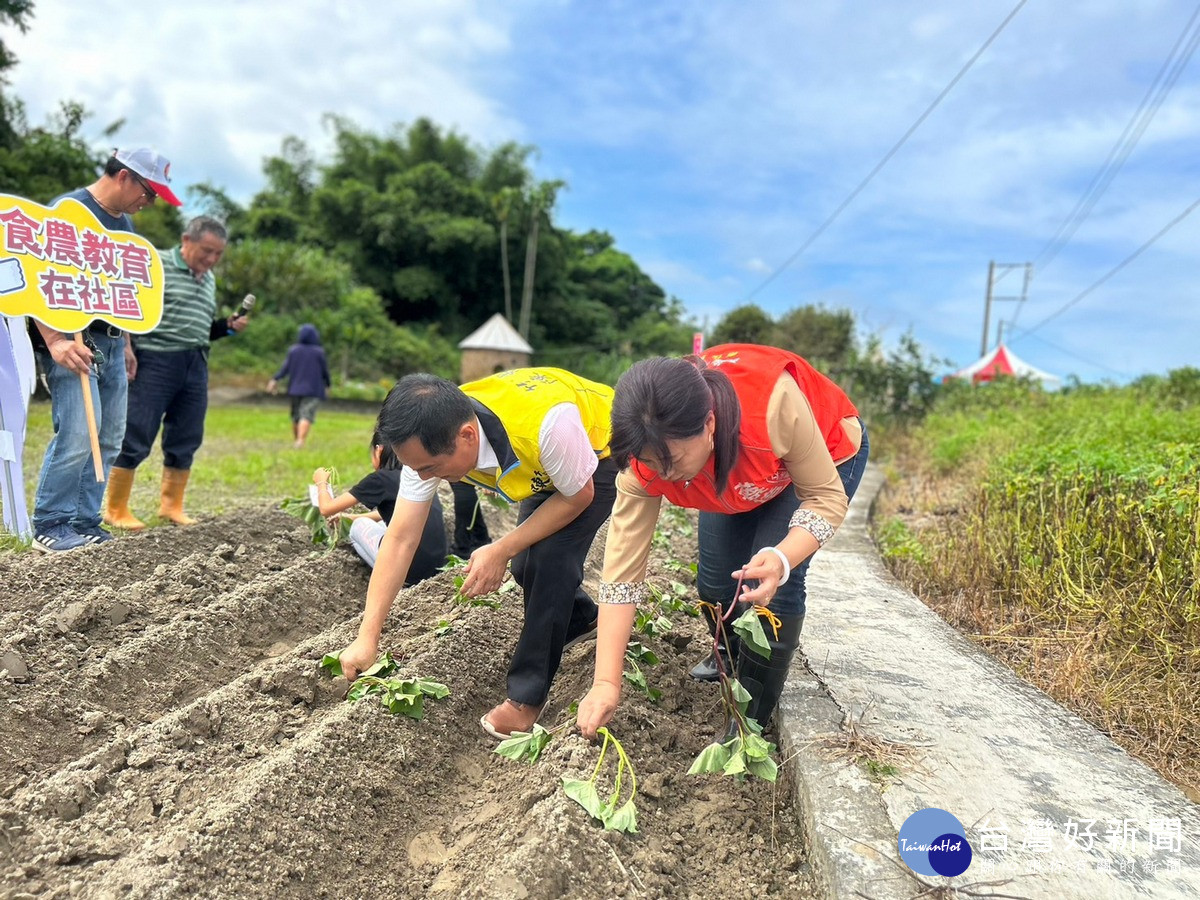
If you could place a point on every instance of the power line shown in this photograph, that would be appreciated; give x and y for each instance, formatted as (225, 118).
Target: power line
(887, 156)
(1156, 94)
(1167, 76)
(1025, 332)
(1090, 362)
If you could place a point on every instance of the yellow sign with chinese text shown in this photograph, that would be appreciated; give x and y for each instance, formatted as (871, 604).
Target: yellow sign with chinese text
(63, 268)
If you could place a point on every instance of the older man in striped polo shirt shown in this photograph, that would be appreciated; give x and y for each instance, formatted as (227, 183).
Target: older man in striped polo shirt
(170, 385)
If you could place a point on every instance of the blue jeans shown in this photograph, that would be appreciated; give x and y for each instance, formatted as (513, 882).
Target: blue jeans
(171, 390)
(67, 488)
(728, 541)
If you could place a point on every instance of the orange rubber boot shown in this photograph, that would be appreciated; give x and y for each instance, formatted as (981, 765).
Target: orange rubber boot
(116, 502)
(174, 483)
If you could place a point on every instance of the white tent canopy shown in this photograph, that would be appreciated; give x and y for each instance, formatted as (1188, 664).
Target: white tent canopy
(1002, 361)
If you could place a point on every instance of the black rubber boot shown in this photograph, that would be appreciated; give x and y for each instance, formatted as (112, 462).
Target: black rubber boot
(706, 669)
(762, 678)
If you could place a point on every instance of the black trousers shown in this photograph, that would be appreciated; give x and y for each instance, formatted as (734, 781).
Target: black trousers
(557, 608)
(470, 530)
(171, 391)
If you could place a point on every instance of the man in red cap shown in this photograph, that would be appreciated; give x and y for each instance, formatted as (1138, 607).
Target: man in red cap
(66, 510)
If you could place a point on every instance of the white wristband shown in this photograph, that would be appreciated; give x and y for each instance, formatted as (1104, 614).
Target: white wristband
(787, 566)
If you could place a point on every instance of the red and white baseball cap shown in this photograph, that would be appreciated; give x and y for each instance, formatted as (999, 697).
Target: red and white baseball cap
(153, 168)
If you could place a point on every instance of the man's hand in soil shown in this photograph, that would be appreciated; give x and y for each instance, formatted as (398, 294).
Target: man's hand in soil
(596, 708)
(485, 570)
(358, 656)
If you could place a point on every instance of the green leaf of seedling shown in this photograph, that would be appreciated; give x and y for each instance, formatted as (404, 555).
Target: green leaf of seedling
(623, 818)
(444, 627)
(757, 747)
(364, 687)
(766, 769)
(639, 653)
(642, 622)
(406, 705)
(654, 694)
(434, 689)
(736, 764)
(711, 759)
(332, 664)
(573, 709)
(385, 665)
(452, 562)
(638, 680)
(748, 627)
(740, 695)
(584, 793)
(524, 745)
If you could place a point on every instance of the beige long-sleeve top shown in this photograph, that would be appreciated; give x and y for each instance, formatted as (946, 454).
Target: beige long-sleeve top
(795, 438)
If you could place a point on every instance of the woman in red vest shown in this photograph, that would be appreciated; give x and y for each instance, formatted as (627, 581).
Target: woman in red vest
(770, 451)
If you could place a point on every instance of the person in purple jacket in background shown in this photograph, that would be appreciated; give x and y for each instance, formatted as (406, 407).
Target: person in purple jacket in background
(308, 376)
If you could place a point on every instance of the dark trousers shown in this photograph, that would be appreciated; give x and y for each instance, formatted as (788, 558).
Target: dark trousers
(470, 530)
(171, 390)
(728, 541)
(557, 608)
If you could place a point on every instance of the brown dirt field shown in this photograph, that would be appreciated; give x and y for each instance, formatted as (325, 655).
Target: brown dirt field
(173, 737)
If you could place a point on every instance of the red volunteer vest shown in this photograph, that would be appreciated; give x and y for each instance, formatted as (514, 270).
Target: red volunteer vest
(758, 475)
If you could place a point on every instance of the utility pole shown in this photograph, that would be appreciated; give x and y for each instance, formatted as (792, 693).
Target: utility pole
(987, 307)
(990, 296)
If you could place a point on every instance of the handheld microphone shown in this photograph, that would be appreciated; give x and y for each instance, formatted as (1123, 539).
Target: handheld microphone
(247, 305)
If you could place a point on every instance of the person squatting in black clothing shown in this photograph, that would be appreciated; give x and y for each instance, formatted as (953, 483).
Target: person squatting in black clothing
(377, 491)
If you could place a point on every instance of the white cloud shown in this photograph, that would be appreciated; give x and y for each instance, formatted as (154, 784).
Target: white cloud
(216, 87)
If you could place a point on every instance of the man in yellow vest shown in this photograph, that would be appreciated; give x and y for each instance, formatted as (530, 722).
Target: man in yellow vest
(535, 436)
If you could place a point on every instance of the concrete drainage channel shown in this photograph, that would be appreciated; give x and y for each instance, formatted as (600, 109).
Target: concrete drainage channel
(1051, 807)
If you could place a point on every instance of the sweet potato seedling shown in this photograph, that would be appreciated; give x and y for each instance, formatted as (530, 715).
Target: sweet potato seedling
(328, 532)
(528, 745)
(746, 752)
(493, 600)
(652, 620)
(611, 813)
(636, 653)
(402, 696)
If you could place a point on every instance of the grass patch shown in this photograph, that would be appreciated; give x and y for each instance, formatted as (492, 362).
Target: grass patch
(247, 459)
(1062, 533)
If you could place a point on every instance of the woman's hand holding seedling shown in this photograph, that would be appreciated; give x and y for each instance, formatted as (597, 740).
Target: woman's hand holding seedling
(485, 571)
(767, 569)
(598, 707)
(358, 656)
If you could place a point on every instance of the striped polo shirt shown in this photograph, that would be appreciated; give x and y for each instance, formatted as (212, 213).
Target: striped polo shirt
(189, 307)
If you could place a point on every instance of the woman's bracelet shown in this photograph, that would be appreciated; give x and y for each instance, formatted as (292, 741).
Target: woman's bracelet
(787, 566)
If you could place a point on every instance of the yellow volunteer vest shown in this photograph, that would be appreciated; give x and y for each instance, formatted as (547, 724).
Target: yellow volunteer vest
(514, 405)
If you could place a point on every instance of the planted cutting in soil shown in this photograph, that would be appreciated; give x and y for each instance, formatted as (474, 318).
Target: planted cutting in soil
(165, 731)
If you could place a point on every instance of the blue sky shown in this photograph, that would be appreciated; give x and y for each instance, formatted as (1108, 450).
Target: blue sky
(713, 139)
